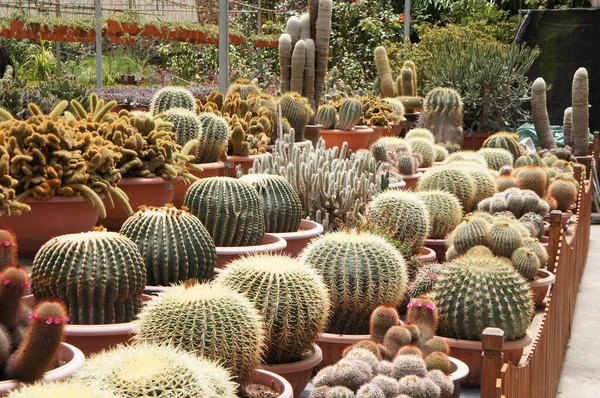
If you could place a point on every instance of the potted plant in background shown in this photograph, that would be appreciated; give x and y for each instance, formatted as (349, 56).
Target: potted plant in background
(340, 126)
(397, 155)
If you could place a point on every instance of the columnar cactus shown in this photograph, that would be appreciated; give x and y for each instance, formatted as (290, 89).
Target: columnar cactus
(567, 127)
(496, 285)
(406, 83)
(503, 140)
(230, 209)
(297, 111)
(99, 275)
(292, 299)
(403, 214)
(349, 115)
(383, 70)
(539, 114)
(8, 248)
(580, 112)
(380, 276)
(206, 320)
(172, 97)
(143, 369)
(175, 245)
(452, 180)
(213, 140)
(445, 212)
(443, 114)
(496, 157)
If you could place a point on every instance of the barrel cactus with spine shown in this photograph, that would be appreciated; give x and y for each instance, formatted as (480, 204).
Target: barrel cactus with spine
(206, 320)
(529, 159)
(533, 178)
(443, 115)
(349, 114)
(404, 215)
(425, 148)
(281, 205)
(291, 297)
(186, 124)
(496, 285)
(172, 97)
(100, 276)
(327, 116)
(175, 245)
(379, 276)
(420, 133)
(565, 192)
(230, 209)
(504, 140)
(472, 231)
(445, 212)
(296, 110)
(496, 157)
(449, 179)
(143, 370)
(214, 138)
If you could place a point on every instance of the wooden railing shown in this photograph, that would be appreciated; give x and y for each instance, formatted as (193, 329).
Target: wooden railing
(538, 376)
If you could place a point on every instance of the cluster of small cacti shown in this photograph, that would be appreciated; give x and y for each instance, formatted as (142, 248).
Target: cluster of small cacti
(504, 236)
(515, 200)
(29, 339)
(395, 154)
(99, 275)
(400, 360)
(443, 114)
(378, 112)
(333, 186)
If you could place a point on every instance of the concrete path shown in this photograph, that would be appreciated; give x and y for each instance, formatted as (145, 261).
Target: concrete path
(580, 377)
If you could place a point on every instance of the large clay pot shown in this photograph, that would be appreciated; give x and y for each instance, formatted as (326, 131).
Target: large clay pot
(333, 345)
(274, 382)
(245, 161)
(438, 246)
(398, 185)
(49, 218)
(140, 191)
(91, 339)
(270, 244)
(378, 132)
(297, 241)
(394, 131)
(411, 180)
(470, 352)
(73, 361)
(540, 286)
(208, 170)
(356, 139)
(298, 373)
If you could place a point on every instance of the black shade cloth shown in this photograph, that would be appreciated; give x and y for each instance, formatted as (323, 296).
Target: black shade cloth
(568, 39)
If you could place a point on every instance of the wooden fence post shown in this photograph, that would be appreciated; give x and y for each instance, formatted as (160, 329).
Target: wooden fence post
(597, 150)
(555, 233)
(492, 360)
(577, 174)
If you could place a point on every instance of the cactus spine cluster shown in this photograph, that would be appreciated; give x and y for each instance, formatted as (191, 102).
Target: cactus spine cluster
(379, 276)
(445, 212)
(349, 115)
(99, 275)
(443, 114)
(580, 112)
(213, 140)
(172, 97)
(291, 297)
(385, 74)
(206, 320)
(539, 113)
(230, 209)
(175, 245)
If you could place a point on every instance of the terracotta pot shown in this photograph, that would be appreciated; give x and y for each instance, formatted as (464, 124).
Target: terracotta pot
(266, 43)
(209, 170)
(540, 286)
(394, 130)
(17, 29)
(140, 191)
(70, 355)
(398, 185)
(56, 216)
(270, 244)
(470, 352)
(297, 241)
(311, 132)
(458, 375)
(6, 33)
(131, 28)
(298, 373)
(245, 161)
(300, 144)
(274, 382)
(333, 345)
(426, 255)
(356, 139)
(378, 132)
(475, 141)
(91, 339)
(411, 180)
(439, 247)
(235, 39)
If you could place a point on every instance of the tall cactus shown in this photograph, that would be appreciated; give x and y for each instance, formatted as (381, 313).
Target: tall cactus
(298, 65)
(443, 115)
(230, 210)
(99, 275)
(175, 245)
(539, 113)
(213, 140)
(580, 113)
(285, 61)
(407, 82)
(385, 74)
(567, 126)
(308, 90)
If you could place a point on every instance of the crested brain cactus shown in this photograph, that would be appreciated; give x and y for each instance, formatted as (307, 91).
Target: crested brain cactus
(452, 180)
(404, 215)
(445, 212)
(340, 254)
(230, 209)
(349, 114)
(292, 299)
(206, 320)
(145, 369)
(496, 285)
(443, 114)
(172, 97)
(99, 275)
(212, 143)
(280, 203)
(580, 112)
(175, 245)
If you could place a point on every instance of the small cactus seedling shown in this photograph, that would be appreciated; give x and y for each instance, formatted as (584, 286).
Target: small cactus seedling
(439, 361)
(410, 350)
(382, 319)
(423, 313)
(436, 345)
(8, 248)
(396, 337)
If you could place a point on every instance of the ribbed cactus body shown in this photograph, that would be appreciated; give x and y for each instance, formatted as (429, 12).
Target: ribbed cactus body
(230, 209)
(425, 148)
(455, 181)
(291, 297)
(530, 159)
(205, 320)
(59, 389)
(298, 65)
(526, 262)
(99, 275)
(407, 164)
(383, 70)
(580, 112)
(350, 113)
(362, 272)
(213, 139)
(565, 192)
(175, 245)
(568, 126)
(496, 157)
(441, 153)
(466, 158)
(404, 214)
(142, 370)
(297, 111)
(172, 97)
(505, 141)
(280, 203)
(537, 247)
(420, 133)
(186, 124)
(285, 60)
(504, 239)
(473, 231)
(443, 115)
(327, 116)
(406, 83)
(505, 182)
(539, 113)
(445, 212)
(533, 178)
(495, 285)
